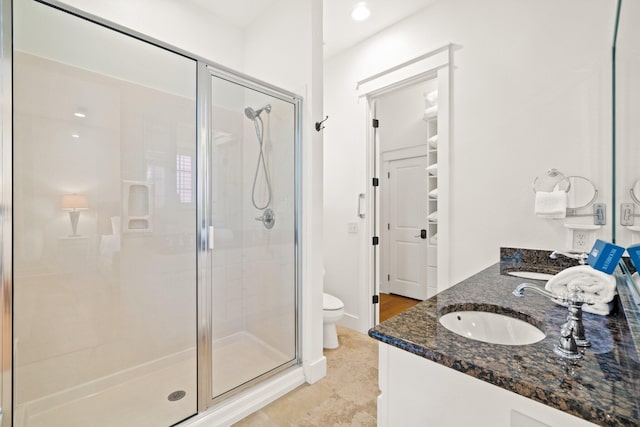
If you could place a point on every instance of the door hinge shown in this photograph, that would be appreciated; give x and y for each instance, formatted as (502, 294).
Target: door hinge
(375, 299)
(375, 123)
(376, 182)
(376, 240)
(388, 277)
(388, 226)
(388, 175)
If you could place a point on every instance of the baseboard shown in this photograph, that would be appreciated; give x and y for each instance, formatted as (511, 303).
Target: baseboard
(238, 407)
(353, 322)
(315, 371)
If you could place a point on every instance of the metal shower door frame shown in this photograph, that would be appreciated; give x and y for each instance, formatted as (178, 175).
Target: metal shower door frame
(207, 71)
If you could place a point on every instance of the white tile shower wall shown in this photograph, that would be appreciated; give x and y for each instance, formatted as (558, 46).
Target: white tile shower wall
(80, 310)
(269, 257)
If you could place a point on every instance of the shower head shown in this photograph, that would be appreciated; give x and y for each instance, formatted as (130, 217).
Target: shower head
(254, 114)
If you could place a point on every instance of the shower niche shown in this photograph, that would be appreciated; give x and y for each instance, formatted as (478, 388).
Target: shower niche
(137, 204)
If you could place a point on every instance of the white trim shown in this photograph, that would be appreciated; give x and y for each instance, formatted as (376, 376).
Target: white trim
(434, 64)
(405, 153)
(415, 68)
(315, 371)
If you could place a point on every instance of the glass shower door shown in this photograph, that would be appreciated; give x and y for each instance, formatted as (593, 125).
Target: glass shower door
(253, 255)
(104, 226)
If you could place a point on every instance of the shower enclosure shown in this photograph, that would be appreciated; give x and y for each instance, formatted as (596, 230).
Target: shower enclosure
(155, 216)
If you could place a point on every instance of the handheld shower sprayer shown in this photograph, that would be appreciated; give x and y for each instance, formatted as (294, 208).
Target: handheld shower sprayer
(254, 115)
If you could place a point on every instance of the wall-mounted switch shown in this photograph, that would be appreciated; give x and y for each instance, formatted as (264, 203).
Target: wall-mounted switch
(352, 227)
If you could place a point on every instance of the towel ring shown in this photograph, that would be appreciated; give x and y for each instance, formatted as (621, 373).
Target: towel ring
(552, 179)
(593, 198)
(632, 192)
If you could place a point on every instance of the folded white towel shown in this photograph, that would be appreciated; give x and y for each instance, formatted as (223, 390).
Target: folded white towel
(433, 217)
(433, 169)
(594, 286)
(551, 204)
(433, 194)
(431, 112)
(431, 97)
(433, 141)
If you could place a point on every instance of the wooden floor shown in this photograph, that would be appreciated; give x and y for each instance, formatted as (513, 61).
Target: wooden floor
(391, 304)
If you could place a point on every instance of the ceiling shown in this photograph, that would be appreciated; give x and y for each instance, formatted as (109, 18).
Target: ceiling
(340, 31)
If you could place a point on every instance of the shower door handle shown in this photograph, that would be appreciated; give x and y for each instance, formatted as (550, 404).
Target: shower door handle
(210, 243)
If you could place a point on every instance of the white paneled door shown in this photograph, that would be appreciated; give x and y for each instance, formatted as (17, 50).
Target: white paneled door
(407, 223)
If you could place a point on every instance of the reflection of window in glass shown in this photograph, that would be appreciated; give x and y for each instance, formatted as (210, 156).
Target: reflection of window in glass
(183, 178)
(155, 175)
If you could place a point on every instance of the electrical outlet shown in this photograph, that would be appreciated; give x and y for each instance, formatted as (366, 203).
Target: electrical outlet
(581, 240)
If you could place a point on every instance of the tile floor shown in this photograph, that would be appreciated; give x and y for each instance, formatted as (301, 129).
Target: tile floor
(345, 397)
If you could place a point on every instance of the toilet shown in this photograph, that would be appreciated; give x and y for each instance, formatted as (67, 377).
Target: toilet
(332, 312)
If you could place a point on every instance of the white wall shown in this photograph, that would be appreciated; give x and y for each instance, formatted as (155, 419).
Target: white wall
(530, 91)
(190, 28)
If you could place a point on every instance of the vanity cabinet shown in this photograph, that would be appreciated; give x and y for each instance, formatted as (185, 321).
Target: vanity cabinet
(418, 392)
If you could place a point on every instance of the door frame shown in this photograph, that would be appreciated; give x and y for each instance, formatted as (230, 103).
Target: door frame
(385, 249)
(434, 64)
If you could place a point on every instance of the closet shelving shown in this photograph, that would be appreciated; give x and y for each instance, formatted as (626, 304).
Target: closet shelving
(431, 117)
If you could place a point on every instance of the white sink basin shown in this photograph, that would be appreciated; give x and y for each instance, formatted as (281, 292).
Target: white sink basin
(530, 275)
(491, 328)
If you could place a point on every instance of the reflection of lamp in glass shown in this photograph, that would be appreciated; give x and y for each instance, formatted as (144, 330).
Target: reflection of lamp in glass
(74, 203)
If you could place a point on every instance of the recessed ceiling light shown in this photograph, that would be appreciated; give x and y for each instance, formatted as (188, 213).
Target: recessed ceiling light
(360, 12)
(75, 135)
(79, 114)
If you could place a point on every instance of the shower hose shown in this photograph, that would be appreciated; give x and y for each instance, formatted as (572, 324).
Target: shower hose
(261, 160)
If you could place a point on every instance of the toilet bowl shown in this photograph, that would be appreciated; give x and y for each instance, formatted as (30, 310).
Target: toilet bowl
(332, 312)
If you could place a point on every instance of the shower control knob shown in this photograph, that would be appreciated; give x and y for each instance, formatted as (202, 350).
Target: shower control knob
(268, 218)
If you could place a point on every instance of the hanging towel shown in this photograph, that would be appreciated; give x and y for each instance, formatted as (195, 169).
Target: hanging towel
(552, 205)
(594, 286)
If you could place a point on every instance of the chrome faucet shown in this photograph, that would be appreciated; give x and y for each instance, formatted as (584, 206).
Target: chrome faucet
(580, 256)
(572, 334)
(519, 291)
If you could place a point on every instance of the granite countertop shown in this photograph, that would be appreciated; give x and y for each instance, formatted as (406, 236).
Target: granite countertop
(603, 387)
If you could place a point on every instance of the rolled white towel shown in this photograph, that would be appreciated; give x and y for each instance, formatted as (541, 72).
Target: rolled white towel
(433, 169)
(433, 194)
(431, 112)
(601, 308)
(551, 204)
(431, 97)
(433, 141)
(594, 286)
